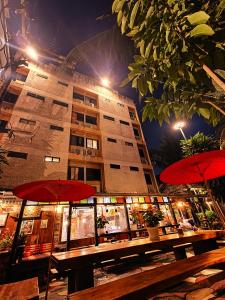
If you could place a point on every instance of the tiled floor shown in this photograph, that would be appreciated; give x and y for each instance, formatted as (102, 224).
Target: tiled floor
(198, 287)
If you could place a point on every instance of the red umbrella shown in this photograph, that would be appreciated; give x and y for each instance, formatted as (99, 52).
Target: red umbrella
(197, 168)
(49, 191)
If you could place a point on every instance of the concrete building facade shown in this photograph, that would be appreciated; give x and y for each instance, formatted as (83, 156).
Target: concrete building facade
(56, 125)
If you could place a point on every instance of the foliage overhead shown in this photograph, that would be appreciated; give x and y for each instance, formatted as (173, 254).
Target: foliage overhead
(174, 39)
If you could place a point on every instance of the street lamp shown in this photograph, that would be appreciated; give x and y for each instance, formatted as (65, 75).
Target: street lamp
(179, 126)
(105, 82)
(31, 52)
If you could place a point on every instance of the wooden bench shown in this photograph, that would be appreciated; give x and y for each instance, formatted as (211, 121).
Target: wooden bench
(150, 283)
(25, 289)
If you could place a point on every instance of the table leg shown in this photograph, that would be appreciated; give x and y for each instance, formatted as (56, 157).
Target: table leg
(204, 246)
(80, 279)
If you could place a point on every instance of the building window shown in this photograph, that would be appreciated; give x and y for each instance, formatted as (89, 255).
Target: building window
(91, 120)
(132, 114)
(120, 104)
(54, 127)
(148, 178)
(17, 154)
(124, 123)
(93, 144)
(141, 152)
(76, 173)
(108, 118)
(78, 96)
(3, 125)
(52, 159)
(36, 96)
(60, 103)
(111, 140)
(9, 97)
(80, 117)
(136, 132)
(93, 174)
(113, 166)
(129, 144)
(63, 83)
(76, 140)
(42, 76)
(136, 169)
(26, 121)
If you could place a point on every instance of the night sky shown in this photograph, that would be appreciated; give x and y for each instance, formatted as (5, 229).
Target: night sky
(61, 25)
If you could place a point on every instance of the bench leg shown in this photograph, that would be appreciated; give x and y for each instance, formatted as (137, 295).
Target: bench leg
(80, 279)
(180, 253)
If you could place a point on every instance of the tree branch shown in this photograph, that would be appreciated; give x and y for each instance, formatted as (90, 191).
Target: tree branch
(215, 106)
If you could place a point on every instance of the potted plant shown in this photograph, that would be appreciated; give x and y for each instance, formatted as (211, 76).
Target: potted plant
(134, 219)
(101, 222)
(152, 217)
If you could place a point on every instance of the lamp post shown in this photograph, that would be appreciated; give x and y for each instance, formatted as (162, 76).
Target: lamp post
(179, 126)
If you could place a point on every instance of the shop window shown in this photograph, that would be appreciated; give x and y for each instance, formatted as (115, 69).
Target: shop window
(108, 118)
(148, 178)
(135, 169)
(21, 155)
(54, 127)
(114, 166)
(93, 144)
(36, 96)
(129, 144)
(93, 174)
(62, 83)
(91, 120)
(76, 140)
(75, 173)
(124, 123)
(52, 159)
(9, 97)
(111, 140)
(26, 121)
(42, 76)
(60, 103)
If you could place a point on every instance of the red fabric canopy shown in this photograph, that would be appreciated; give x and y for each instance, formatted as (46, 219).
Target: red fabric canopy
(196, 168)
(54, 190)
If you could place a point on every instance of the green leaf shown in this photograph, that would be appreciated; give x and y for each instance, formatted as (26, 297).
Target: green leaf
(150, 11)
(204, 112)
(119, 17)
(150, 87)
(184, 48)
(124, 23)
(220, 8)
(197, 18)
(148, 49)
(155, 54)
(114, 6)
(202, 30)
(133, 14)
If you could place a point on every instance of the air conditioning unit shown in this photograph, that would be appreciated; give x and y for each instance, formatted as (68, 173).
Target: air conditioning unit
(77, 151)
(89, 152)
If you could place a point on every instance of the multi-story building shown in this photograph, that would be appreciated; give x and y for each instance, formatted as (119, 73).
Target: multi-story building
(56, 125)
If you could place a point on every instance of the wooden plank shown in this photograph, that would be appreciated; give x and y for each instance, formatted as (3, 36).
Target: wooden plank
(150, 283)
(25, 289)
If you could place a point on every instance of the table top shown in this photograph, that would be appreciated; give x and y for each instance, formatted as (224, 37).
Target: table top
(119, 249)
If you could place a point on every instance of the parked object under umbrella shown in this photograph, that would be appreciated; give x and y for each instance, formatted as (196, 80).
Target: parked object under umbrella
(195, 169)
(49, 191)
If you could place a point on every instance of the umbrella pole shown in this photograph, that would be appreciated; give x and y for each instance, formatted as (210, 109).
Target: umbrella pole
(17, 232)
(49, 262)
(215, 204)
(69, 228)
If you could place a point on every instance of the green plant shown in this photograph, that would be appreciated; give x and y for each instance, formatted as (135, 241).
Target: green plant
(179, 43)
(134, 216)
(6, 241)
(101, 221)
(152, 216)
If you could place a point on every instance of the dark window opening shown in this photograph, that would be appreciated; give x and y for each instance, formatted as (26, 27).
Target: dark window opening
(17, 154)
(108, 118)
(60, 103)
(141, 152)
(129, 144)
(78, 96)
(62, 83)
(77, 140)
(136, 169)
(54, 127)
(75, 173)
(9, 97)
(148, 178)
(136, 132)
(3, 125)
(93, 174)
(26, 121)
(36, 96)
(42, 76)
(91, 120)
(80, 117)
(113, 166)
(124, 123)
(111, 140)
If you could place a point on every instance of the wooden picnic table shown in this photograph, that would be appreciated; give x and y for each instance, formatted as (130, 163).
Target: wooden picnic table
(79, 263)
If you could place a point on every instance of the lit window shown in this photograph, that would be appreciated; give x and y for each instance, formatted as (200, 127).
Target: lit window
(52, 159)
(92, 144)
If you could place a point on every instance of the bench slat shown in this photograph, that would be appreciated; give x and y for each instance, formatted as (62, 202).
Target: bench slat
(150, 283)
